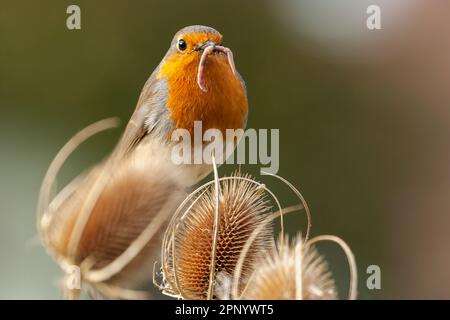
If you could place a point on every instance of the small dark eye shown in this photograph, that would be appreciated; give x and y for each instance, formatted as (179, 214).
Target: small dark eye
(182, 45)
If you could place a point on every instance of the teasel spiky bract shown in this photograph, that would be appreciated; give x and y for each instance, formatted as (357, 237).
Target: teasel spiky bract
(193, 255)
(109, 221)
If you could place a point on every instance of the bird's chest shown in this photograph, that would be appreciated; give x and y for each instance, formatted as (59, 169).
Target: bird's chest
(222, 106)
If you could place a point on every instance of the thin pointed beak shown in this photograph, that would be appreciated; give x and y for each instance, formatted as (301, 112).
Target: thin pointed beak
(204, 45)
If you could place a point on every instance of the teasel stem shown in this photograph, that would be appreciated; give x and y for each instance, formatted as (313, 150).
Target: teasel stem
(298, 271)
(215, 230)
(121, 293)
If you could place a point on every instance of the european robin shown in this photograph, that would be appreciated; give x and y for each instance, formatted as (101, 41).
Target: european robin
(195, 81)
(107, 221)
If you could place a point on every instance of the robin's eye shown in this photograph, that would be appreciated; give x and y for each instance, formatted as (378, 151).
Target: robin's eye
(182, 45)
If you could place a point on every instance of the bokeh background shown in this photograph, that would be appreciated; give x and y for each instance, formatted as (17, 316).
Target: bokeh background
(364, 119)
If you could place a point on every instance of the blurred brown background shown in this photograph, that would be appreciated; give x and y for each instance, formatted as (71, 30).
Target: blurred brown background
(364, 119)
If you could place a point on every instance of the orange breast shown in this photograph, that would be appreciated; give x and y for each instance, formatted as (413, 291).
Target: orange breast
(223, 106)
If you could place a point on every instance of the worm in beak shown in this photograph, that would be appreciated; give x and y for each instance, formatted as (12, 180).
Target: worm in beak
(209, 48)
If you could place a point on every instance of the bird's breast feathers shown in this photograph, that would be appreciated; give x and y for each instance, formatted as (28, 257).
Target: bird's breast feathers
(222, 106)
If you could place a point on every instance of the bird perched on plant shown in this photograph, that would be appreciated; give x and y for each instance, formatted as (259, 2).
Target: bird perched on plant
(108, 220)
(195, 81)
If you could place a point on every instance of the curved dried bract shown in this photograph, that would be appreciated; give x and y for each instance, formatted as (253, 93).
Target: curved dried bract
(302, 200)
(43, 210)
(352, 291)
(292, 271)
(188, 242)
(125, 206)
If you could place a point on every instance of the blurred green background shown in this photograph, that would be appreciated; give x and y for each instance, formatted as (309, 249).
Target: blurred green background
(363, 116)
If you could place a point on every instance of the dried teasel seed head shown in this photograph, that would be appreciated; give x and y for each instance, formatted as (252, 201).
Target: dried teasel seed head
(292, 271)
(110, 221)
(188, 243)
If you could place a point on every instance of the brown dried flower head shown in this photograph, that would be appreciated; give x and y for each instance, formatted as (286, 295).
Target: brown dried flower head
(109, 221)
(193, 255)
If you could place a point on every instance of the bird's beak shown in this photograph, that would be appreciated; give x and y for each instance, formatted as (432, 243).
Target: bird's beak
(204, 45)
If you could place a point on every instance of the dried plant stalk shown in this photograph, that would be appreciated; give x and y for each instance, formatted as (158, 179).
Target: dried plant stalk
(188, 242)
(109, 221)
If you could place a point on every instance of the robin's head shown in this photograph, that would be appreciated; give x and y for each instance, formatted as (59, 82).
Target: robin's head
(202, 80)
(191, 47)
